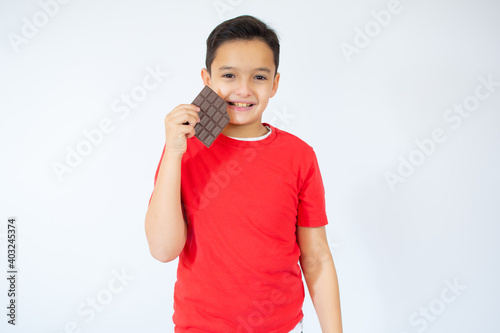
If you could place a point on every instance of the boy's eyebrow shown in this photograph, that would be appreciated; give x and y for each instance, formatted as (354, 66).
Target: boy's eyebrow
(260, 69)
(264, 69)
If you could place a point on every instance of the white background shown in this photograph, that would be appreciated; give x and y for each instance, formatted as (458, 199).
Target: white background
(397, 249)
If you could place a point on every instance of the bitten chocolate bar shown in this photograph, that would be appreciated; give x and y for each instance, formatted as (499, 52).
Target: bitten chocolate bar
(213, 116)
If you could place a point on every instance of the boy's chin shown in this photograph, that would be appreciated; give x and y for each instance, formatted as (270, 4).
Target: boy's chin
(243, 122)
(243, 119)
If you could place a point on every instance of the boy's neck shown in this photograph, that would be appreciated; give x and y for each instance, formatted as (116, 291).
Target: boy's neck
(245, 131)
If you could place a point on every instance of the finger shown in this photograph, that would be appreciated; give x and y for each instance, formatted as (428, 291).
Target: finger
(181, 109)
(187, 107)
(180, 116)
(186, 130)
(191, 133)
(187, 118)
(176, 113)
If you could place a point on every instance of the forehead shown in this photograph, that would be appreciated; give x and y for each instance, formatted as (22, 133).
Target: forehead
(244, 55)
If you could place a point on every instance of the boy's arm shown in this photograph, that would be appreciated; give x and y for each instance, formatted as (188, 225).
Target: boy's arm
(321, 277)
(166, 230)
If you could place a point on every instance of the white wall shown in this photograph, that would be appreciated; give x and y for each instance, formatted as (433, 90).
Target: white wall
(398, 247)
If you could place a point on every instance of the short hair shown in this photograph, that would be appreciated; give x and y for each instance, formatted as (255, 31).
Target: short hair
(243, 27)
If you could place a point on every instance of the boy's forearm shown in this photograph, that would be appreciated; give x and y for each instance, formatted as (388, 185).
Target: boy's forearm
(165, 227)
(322, 283)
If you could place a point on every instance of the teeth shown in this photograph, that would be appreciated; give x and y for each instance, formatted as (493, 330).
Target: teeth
(242, 104)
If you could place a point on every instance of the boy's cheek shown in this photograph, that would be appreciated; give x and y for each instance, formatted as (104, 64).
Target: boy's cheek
(219, 92)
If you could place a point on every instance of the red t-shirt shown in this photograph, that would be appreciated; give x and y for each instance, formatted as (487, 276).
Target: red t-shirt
(239, 271)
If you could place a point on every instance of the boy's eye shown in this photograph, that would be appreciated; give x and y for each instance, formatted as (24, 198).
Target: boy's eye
(229, 76)
(260, 77)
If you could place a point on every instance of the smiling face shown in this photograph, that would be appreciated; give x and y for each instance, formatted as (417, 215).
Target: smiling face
(243, 75)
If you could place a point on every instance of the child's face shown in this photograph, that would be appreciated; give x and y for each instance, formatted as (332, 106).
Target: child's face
(243, 75)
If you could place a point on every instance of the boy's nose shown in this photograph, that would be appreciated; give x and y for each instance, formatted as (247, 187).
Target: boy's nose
(244, 89)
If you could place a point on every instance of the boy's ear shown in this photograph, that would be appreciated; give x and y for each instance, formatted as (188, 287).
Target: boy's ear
(276, 82)
(206, 77)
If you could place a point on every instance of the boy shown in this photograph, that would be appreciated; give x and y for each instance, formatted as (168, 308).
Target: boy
(245, 210)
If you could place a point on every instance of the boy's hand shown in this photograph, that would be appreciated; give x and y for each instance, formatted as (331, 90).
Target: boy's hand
(176, 132)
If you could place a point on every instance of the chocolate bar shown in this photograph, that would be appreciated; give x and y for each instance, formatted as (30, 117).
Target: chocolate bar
(213, 116)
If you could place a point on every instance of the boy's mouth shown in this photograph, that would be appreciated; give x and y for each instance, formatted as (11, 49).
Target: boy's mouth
(241, 105)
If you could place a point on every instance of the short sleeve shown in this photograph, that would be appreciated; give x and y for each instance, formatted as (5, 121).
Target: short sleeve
(156, 174)
(311, 205)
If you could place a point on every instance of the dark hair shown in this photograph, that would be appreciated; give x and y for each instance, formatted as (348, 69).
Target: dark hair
(243, 27)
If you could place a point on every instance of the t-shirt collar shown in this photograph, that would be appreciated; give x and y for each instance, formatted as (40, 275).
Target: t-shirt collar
(264, 140)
